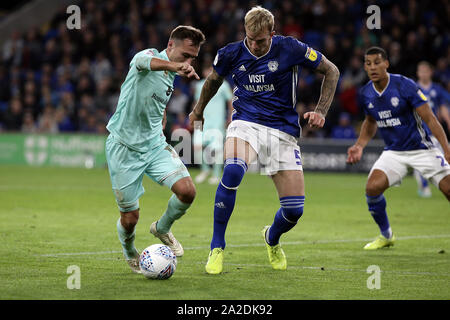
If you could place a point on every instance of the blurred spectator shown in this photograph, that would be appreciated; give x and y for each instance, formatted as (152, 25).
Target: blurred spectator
(80, 71)
(28, 125)
(47, 120)
(344, 129)
(13, 118)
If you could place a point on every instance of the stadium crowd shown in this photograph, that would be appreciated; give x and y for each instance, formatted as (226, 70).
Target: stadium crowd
(53, 79)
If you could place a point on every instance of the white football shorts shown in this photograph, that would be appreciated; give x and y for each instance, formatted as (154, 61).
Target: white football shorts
(429, 162)
(277, 150)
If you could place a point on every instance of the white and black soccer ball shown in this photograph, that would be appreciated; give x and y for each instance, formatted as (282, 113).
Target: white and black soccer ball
(157, 262)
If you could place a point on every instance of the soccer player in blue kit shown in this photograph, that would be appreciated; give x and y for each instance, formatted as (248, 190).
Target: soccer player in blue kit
(436, 99)
(264, 71)
(397, 106)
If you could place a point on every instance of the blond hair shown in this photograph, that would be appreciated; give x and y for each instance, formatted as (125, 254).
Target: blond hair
(259, 19)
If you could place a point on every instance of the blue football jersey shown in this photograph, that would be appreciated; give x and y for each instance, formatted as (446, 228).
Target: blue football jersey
(264, 88)
(435, 95)
(394, 109)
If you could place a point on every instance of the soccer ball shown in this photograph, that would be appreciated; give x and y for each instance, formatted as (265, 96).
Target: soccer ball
(157, 262)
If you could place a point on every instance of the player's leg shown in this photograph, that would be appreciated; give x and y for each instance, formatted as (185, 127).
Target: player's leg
(167, 169)
(199, 156)
(291, 192)
(388, 170)
(377, 184)
(238, 154)
(423, 187)
(216, 146)
(444, 186)
(126, 172)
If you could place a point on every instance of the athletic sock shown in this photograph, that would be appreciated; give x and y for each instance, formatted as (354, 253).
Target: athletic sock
(225, 199)
(126, 240)
(286, 218)
(175, 210)
(377, 208)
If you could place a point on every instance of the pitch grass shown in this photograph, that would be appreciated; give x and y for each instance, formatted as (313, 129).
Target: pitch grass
(53, 218)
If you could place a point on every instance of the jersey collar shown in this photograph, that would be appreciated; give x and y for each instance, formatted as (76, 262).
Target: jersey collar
(387, 85)
(270, 48)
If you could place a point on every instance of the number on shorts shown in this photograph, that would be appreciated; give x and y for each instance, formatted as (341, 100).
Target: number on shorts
(297, 155)
(443, 164)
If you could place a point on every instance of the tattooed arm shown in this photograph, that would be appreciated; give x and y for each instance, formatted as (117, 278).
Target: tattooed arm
(209, 89)
(329, 82)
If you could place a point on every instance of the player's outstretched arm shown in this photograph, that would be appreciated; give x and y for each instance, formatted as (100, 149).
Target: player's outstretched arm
(329, 83)
(368, 130)
(183, 69)
(209, 89)
(428, 116)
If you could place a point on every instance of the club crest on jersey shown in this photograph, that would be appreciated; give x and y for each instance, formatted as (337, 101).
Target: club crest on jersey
(311, 54)
(273, 66)
(169, 90)
(394, 101)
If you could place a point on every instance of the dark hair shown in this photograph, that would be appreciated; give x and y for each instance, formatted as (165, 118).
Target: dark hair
(377, 50)
(425, 63)
(188, 32)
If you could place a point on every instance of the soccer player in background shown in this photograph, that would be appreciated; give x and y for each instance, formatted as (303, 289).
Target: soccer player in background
(216, 116)
(137, 146)
(436, 100)
(264, 71)
(396, 105)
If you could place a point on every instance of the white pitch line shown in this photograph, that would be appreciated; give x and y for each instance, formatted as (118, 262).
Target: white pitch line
(253, 245)
(340, 269)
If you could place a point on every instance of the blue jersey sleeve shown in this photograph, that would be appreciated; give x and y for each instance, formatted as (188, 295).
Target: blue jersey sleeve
(360, 101)
(302, 54)
(442, 96)
(412, 93)
(222, 62)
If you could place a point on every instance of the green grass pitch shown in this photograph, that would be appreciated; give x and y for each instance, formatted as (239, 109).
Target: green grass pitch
(53, 218)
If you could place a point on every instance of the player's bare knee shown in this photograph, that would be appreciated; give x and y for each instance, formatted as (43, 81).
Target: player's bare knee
(444, 186)
(374, 188)
(129, 219)
(187, 194)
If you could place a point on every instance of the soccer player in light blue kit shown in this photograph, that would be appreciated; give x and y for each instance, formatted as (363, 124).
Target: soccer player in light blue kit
(436, 99)
(208, 143)
(137, 146)
(264, 71)
(397, 106)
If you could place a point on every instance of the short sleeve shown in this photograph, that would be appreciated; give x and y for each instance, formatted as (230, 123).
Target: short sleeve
(442, 96)
(222, 62)
(413, 93)
(360, 101)
(142, 59)
(302, 54)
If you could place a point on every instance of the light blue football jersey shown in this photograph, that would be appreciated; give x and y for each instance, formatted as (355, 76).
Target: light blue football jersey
(137, 121)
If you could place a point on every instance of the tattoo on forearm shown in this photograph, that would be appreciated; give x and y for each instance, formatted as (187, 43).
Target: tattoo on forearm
(328, 87)
(209, 89)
